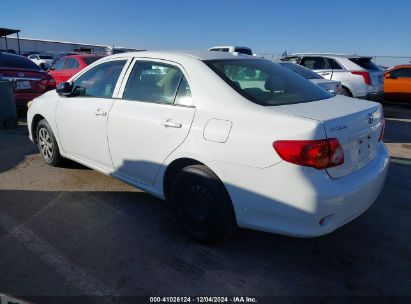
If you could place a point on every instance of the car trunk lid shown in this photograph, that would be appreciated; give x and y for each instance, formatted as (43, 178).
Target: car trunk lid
(24, 80)
(357, 125)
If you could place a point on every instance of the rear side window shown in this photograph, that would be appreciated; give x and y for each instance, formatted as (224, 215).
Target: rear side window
(266, 83)
(16, 61)
(365, 63)
(153, 82)
(243, 51)
(334, 64)
(99, 81)
(315, 63)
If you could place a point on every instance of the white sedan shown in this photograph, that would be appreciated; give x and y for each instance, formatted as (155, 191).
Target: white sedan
(229, 141)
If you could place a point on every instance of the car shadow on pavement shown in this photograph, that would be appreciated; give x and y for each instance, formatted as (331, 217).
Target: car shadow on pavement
(128, 243)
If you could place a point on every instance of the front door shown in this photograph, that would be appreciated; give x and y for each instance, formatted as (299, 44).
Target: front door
(150, 121)
(82, 117)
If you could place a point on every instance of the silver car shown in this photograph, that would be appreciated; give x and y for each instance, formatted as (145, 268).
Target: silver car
(359, 76)
(331, 86)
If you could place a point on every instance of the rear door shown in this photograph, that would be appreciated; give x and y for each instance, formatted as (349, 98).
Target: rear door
(150, 120)
(317, 64)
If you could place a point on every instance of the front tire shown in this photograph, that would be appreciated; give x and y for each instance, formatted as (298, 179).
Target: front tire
(47, 145)
(202, 206)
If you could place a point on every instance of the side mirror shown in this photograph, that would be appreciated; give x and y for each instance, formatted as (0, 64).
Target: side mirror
(64, 89)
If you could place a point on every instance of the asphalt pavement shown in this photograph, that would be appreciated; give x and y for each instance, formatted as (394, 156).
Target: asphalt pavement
(69, 232)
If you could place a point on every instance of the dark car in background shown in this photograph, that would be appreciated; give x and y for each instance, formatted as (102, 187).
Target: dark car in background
(30, 81)
(68, 66)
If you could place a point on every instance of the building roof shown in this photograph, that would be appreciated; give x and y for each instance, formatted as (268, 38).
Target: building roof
(6, 31)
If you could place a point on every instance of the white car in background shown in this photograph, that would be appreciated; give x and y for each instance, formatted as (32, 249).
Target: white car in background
(359, 76)
(227, 140)
(43, 61)
(331, 86)
(232, 49)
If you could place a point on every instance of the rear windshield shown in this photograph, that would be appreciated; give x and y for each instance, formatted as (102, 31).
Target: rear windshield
(16, 61)
(91, 59)
(45, 57)
(306, 73)
(265, 82)
(243, 51)
(365, 63)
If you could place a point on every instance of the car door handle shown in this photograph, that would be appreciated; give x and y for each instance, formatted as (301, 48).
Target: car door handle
(171, 124)
(100, 112)
(326, 73)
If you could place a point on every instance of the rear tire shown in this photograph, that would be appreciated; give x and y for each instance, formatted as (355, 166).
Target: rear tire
(47, 145)
(202, 206)
(346, 92)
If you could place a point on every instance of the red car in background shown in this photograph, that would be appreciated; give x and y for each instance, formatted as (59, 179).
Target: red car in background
(30, 81)
(68, 66)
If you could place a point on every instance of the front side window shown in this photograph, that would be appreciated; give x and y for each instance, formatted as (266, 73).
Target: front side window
(99, 81)
(401, 73)
(243, 51)
(315, 63)
(153, 82)
(266, 83)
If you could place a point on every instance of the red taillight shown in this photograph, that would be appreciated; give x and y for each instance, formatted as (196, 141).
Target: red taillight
(365, 75)
(382, 131)
(48, 82)
(320, 154)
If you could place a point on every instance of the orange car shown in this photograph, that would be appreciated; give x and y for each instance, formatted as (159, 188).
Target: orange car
(397, 84)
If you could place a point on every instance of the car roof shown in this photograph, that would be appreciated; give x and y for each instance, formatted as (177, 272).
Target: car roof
(230, 46)
(399, 66)
(83, 56)
(201, 55)
(330, 55)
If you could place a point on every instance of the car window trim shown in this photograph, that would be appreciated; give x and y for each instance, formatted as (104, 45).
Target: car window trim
(159, 60)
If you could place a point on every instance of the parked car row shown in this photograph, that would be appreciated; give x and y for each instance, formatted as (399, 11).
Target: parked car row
(349, 75)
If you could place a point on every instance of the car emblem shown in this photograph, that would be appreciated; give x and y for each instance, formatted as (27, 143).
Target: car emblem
(370, 118)
(20, 74)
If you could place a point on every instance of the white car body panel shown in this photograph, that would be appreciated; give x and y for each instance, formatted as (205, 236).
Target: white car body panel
(233, 138)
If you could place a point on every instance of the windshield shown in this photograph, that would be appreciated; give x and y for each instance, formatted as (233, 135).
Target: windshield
(266, 83)
(306, 73)
(46, 57)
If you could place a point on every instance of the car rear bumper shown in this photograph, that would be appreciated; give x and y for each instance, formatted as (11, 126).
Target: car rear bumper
(305, 202)
(377, 96)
